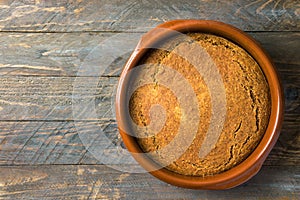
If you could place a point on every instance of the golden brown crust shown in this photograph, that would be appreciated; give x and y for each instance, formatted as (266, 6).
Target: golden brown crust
(247, 104)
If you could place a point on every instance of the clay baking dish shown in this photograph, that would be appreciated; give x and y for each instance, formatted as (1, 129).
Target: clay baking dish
(252, 164)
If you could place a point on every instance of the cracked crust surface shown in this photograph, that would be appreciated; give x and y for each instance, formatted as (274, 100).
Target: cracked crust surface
(247, 105)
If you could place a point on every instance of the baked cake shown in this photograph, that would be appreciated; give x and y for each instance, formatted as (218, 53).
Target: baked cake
(247, 104)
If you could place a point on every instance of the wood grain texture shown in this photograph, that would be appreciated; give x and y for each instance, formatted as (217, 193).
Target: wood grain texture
(101, 182)
(36, 101)
(43, 45)
(23, 143)
(51, 98)
(133, 15)
(62, 54)
(45, 54)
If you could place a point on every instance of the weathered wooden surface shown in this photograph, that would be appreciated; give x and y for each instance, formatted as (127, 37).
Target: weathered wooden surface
(48, 142)
(61, 54)
(46, 54)
(50, 98)
(116, 15)
(32, 142)
(100, 182)
(43, 45)
(39, 72)
(32, 105)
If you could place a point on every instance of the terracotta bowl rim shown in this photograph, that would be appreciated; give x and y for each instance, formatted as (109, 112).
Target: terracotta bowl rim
(252, 164)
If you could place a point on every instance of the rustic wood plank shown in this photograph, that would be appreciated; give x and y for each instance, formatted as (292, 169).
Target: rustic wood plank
(50, 98)
(41, 101)
(24, 143)
(38, 70)
(61, 54)
(132, 15)
(45, 54)
(31, 142)
(94, 182)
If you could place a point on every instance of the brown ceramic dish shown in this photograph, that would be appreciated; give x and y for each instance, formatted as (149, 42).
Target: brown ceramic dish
(252, 164)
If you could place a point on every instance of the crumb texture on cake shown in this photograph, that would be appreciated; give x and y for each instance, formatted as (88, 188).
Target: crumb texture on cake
(247, 104)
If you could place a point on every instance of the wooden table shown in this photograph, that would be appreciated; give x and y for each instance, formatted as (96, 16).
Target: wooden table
(43, 45)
